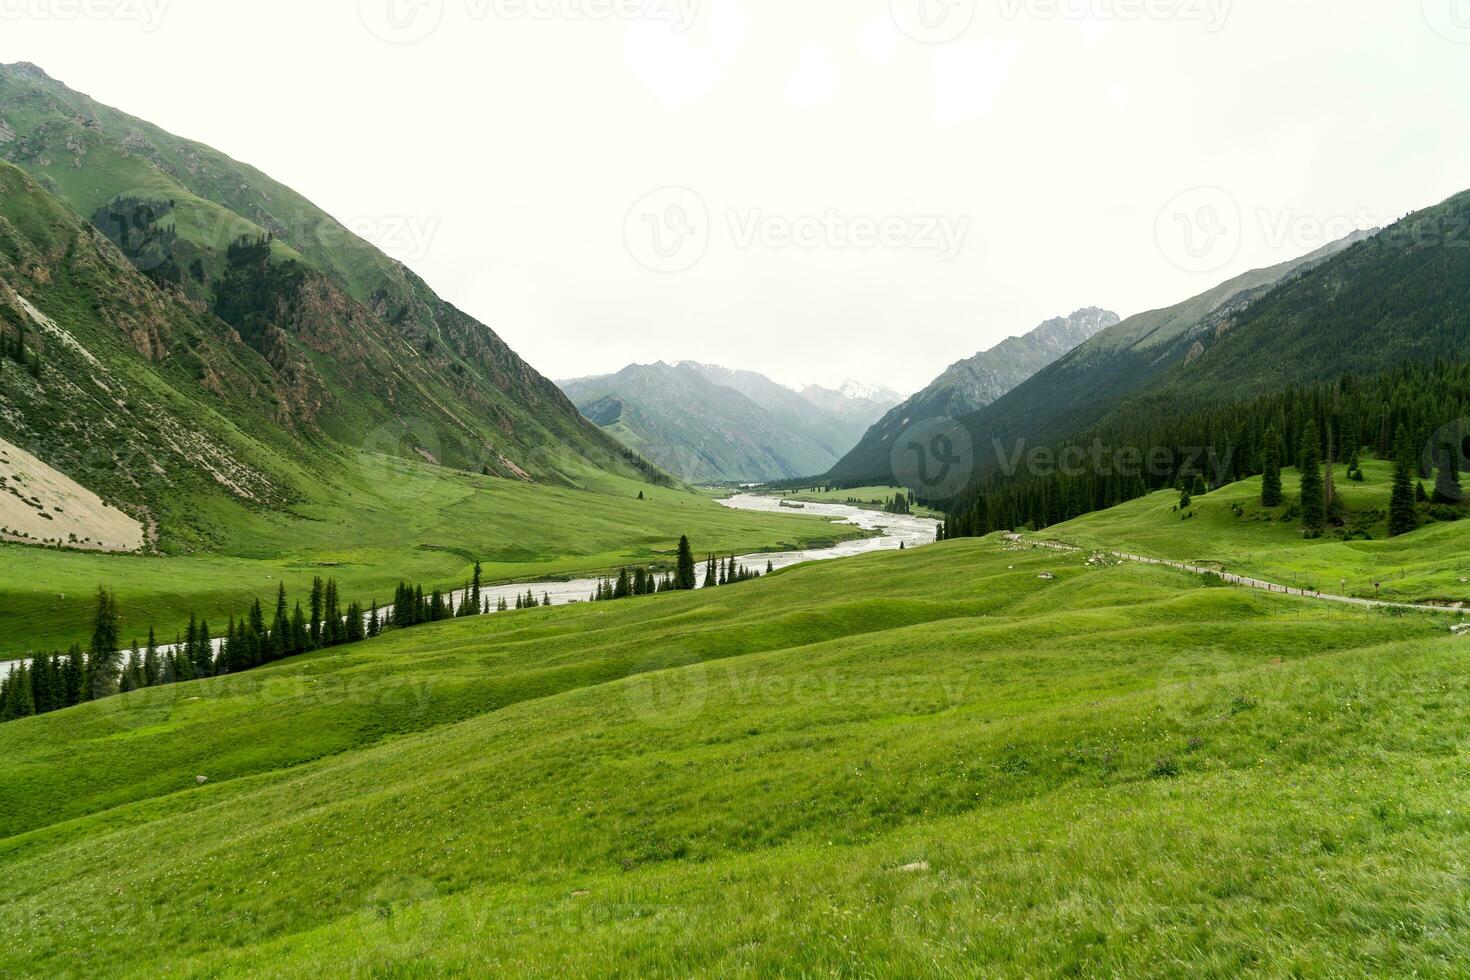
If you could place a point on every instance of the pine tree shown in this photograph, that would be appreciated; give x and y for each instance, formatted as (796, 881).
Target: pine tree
(204, 652)
(1403, 515)
(711, 577)
(1314, 500)
(281, 626)
(151, 668)
(103, 653)
(74, 677)
(300, 632)
(318, 598)
(684, 575)
(356, 630)
(475, 585)
(335, 626)
(374, 627)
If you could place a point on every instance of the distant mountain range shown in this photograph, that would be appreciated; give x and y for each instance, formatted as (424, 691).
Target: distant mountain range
(968, 386)
(706, 423)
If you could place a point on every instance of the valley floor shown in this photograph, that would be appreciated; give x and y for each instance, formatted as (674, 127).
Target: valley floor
(957, 760)
(394, 521)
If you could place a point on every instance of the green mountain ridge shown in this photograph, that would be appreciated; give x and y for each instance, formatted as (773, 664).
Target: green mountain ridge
(966, 386)
(361, 350)
(1101, 374)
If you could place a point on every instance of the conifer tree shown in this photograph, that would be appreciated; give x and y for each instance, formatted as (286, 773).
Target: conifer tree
(300, 631)
(318, 600)
(1403, 515)
(151, 668)
(203, 652)
(1314, 500)
(281, 626)
(43, 684)
(374, 627)
(711, 577)
(74, 677)
(684, 575)
(355, 630)
(475, 586)
(103, 653)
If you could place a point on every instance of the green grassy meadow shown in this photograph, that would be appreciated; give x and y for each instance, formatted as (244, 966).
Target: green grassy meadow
(1430, 565)
(390, 520)
(929, 763)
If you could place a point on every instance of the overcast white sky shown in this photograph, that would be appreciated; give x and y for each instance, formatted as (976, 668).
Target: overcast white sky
(954, 171)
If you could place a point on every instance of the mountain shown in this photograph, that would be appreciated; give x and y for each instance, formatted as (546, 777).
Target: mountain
(1351, 346)
(209, 335)
(836, 426)
(970, 385)
(339, 346)
(860, 403)
(711, 424)
(1090, 381)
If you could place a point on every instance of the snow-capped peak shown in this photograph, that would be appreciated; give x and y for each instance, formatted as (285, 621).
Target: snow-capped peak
(863, 391)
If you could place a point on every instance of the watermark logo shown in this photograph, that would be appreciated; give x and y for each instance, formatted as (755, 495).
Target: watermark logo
(1200, 229)
(412, 21)
(668, 230)
(671, 229)
(394, 455)
(1194, 686)
(1447, 456)
(935, 458)
(1450, 19)
(147, 14)
(1212, 14)
(667, 698)
(401, 21)
(933, 21)
(405, 237)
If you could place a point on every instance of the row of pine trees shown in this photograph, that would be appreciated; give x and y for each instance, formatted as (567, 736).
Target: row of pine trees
(50, 683)
(1394, 416)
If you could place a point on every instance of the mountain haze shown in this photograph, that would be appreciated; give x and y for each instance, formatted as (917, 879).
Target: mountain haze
(708, 423)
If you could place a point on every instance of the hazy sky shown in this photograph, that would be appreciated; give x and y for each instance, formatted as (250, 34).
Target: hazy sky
(812, 188)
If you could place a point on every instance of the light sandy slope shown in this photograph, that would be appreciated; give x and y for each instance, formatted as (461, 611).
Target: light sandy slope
(39, 505)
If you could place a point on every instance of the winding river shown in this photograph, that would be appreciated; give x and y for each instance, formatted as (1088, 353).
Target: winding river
(893, 531)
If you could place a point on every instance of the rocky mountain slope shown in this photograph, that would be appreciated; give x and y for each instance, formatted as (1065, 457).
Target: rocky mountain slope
(356, 347)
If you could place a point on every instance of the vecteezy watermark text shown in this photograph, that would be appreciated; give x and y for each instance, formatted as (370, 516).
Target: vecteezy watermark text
(411, 21)
(147, 14)
(1212, 14)
(671, 229)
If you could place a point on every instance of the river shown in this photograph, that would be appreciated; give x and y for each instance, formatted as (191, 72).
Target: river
(893, 531)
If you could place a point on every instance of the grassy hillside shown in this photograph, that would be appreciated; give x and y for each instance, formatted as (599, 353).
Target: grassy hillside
(933, 762)
(1230, 527)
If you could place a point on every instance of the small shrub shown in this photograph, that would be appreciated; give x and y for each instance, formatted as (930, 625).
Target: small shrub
(1164, 768)
(1240, 703)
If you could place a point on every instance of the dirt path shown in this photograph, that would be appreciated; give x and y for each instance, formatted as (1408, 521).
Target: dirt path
(1241, 580)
